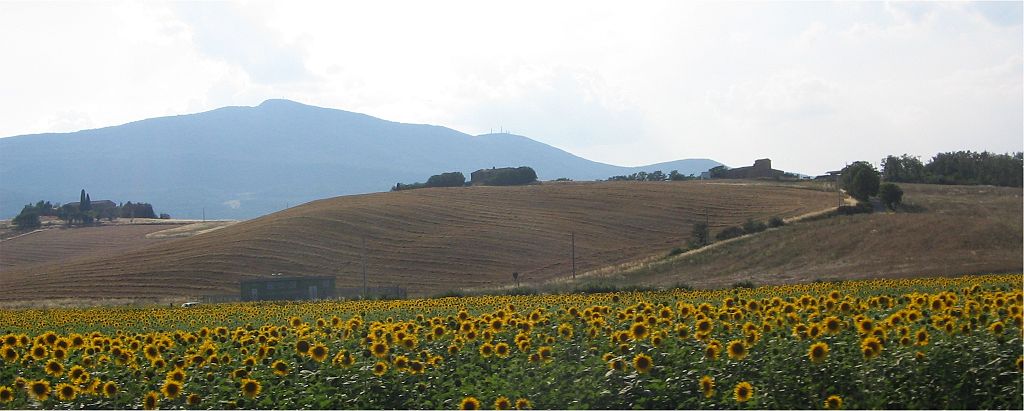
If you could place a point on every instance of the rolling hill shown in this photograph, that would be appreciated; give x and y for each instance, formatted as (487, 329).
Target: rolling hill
(427, 240)
(244, 162)
(954, 230)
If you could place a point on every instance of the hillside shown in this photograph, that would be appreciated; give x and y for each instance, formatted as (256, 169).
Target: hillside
(427, 240)
(55, 243)
(244, 162)
(957, 230)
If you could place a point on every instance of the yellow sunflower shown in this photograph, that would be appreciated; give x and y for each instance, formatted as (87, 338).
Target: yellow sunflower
(193, 399)
(150, 401)
(502, 403)
(743, 391)
(638, 331)
(54, 368)
(66, 392)
(379, 349)
(502, 349)
(380, 368)
(833, 402)
(318, 352)
(110, 389)
(171, 389)
(818, 352)
(737, 350)
(280, 367)
(486, 350)
(250, 388)
(469, 403)
(6, 394)
(643, 363)
(707, 386)
(39, 389)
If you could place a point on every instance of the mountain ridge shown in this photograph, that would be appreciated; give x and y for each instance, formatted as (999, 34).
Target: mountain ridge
(241, 162)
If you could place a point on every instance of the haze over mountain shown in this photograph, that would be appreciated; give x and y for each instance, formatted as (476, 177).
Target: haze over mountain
(242, 162)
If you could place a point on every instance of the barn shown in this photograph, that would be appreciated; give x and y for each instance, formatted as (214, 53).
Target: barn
(288, 288)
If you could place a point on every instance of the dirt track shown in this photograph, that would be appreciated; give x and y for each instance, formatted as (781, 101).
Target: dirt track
(955, 230)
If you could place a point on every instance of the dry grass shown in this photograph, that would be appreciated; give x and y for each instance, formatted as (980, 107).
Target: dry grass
(427, 240)
(959, 230)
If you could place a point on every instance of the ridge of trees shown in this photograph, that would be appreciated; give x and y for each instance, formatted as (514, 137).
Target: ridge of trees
(506, 176)
(657, 175)
(957, 167)
(452, 179)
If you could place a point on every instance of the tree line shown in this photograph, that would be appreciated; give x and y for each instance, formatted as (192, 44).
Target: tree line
(658, 175)
(452, 179)
(84, 212)
(957, 167)
(507, 176)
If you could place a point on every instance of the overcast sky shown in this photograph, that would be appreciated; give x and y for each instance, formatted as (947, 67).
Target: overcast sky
(810, 85)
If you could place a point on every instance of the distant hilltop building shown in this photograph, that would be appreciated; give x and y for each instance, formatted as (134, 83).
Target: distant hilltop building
(97, 205)
(761, 169)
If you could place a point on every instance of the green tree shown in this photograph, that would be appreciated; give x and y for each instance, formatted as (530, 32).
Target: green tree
(453, 179)
(860, 180)
(891, 195)
(27, 219)
(904, 169)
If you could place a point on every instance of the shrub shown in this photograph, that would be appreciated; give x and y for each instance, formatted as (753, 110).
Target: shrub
(676, 251)
(891, 195)
(729, 232)
(743, 284)
(775, 222)
(752, 226)
(860, 208)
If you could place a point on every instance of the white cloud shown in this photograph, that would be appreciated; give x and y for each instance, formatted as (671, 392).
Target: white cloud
(811, 85)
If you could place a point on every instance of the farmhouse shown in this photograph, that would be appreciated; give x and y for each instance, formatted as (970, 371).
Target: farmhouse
(98, 205)
(288, 288)
(761, 169)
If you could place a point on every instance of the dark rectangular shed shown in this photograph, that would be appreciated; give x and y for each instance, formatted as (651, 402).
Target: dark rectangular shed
(288, 288)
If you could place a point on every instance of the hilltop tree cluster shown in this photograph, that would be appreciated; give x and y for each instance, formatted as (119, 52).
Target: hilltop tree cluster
(959, 167)
(658, 175)
(452, 179)
(507, 176)
(83, 212)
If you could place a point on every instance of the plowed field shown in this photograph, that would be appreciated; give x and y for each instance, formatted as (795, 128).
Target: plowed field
(427, 240)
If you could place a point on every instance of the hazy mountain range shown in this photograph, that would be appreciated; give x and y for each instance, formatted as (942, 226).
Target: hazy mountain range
(242, 162)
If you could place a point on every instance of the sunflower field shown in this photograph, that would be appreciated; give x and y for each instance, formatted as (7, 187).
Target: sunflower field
(916, 343)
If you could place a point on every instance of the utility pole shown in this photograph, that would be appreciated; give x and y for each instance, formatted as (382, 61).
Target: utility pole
(365, 289)
(839, 191)
(572, 239)
(707, 226)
